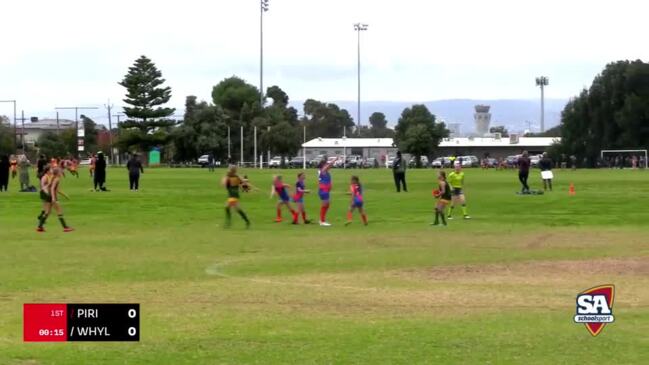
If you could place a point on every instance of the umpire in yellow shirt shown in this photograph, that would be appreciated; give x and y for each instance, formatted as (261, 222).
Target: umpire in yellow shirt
(456, 180)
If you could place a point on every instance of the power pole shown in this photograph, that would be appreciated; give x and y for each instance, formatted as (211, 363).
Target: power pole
(119, 130)
(110, 132)
(22, 129)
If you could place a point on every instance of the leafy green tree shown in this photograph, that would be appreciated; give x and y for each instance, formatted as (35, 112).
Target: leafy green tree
(233, 94)
(53, 145)
(7, 145)
(379, 127)
(499, 129)
(418, 133)
(612, 114)
(203, 131)
(240, 102)
(146, 95)
(326, 120)
(91, 131)
(552, 132)
(279, 129)
(283, 139)
(378, 121)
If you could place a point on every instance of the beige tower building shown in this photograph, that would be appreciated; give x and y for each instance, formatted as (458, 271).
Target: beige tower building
(482, 119)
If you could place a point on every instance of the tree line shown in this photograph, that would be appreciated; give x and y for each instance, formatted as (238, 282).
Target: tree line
(612, 114)
(235, 104)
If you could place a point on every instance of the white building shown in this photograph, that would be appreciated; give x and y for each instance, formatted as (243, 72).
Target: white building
(474, 146)
(365, 147)
(34, 129)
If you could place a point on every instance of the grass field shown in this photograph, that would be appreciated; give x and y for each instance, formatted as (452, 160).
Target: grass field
(499, 289)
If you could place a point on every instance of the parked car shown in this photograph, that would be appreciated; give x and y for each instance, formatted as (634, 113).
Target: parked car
(512, 160)
(204, 160)
(469, 161)
(275, 162)
(489, 162)
(354, 161)
(296, 163)
(332, 160)
(84, 162)
(340, 162)
(390, 161)
(534, 160)
(315, 162)
(413, 162)
(370, 163)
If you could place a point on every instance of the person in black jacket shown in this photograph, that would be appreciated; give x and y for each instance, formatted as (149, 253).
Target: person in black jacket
(524, 171)
(546, 171)
(4, 172)
(40, 166)
(134, 167)
(100, 172)
(399, 171)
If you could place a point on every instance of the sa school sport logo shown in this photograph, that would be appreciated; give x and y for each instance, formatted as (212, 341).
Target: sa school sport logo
(595, 308)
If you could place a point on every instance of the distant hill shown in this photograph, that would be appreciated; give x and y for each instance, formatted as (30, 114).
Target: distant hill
(512, 113)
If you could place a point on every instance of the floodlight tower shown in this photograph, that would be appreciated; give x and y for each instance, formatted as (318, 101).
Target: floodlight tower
(264, 6)
(542, 82)
(359, 27)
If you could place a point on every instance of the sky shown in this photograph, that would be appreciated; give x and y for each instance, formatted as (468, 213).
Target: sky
(73, 53)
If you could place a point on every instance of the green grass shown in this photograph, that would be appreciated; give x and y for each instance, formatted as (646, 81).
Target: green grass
(498, 289)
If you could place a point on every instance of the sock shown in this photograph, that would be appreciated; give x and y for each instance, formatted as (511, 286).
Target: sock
(279, 213)
(349, 216)
(304, 216)
(443, 219)
(243, 215)
(464, 210)
(228, 216)
(323, 213)
(436, 217)
(62, 220)
(41, 221)
(364, 218)
(41, 215)
(450, 210)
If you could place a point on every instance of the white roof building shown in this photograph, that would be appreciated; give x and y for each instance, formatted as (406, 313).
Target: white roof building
(478, 146)
(349, 143)
(499, 142)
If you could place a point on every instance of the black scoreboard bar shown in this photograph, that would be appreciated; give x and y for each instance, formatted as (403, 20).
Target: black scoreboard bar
(81, 322)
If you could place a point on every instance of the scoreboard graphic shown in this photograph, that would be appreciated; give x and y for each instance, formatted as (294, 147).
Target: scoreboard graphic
(81, 322)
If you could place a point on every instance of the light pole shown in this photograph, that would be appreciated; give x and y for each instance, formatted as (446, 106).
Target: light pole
(542, 82)
(263, 8)
(358, 27)
(15, 131)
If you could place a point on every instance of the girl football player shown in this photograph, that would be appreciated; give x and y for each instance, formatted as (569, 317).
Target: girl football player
(281, 190)
(356, 191)
(298, 198)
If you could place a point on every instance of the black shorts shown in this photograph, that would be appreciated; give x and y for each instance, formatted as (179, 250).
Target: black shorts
(45, 197)
(457, 191)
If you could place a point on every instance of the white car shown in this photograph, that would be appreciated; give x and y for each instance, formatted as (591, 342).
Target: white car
(390, 161)
(275, 162)
(204, 160)
(469, 161)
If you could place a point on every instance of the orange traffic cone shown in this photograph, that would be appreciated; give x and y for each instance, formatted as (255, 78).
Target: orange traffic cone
(571, 190)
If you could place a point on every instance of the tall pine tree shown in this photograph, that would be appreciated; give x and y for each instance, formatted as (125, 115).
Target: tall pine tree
(147, 124)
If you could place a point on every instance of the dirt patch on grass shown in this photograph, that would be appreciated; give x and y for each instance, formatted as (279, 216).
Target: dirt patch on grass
(535, 271)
